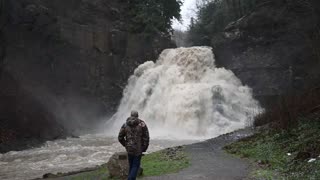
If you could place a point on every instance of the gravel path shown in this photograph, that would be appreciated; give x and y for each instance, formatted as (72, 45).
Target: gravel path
(209, 161)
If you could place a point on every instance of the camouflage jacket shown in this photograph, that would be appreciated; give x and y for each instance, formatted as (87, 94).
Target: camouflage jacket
(134, 136)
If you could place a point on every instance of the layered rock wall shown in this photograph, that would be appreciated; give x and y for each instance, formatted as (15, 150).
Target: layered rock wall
(273, 49)
(71, 57)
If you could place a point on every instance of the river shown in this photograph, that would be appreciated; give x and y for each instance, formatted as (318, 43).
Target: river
(67, 155)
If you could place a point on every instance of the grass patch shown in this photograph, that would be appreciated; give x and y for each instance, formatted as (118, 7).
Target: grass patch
(263, 174)
(164, 162)
(283, 154)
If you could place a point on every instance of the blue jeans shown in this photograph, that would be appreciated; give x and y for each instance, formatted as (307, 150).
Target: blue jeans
(134, 166)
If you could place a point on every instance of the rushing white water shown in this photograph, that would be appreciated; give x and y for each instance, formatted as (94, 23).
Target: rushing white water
(181, 96)
(184, 95)
(67, 155)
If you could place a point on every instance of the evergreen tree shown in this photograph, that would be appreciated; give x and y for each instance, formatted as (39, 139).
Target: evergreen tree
(214, 16)
(153, 16)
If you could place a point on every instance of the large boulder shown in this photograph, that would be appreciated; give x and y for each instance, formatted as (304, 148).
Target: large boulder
(118, 166)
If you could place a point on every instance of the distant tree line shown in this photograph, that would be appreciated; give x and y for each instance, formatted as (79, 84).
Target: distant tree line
(152, 16)
(214, 16)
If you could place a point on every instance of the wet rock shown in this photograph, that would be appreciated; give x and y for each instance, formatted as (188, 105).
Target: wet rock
(49, 175)
(118, 165)
(118, 41)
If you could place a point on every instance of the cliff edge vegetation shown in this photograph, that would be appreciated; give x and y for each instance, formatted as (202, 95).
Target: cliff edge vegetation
(288, 147)
(271, 45)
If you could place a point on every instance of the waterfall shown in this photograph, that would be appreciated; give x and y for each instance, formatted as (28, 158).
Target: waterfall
(184, 95)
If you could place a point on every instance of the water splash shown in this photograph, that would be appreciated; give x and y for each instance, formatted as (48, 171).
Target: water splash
(184, 95)
(66, 155)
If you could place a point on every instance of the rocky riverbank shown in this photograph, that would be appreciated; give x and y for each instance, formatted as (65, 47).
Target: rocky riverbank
(207, 160)
(169, 160)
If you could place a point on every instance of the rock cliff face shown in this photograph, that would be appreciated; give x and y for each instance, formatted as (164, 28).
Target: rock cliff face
(274, 49)
(72, 58)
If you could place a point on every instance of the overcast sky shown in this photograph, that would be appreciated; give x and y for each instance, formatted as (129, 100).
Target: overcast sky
(187, 11)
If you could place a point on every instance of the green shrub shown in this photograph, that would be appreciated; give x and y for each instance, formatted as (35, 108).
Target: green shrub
(270, 148)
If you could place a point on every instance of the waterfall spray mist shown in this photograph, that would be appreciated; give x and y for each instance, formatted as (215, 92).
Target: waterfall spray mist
(184, 96)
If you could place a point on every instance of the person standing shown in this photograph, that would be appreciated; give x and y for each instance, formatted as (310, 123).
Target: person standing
(134, 136)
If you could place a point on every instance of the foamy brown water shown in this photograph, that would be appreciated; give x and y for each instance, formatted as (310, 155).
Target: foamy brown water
(183, 95)
(67, 155)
